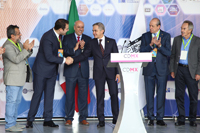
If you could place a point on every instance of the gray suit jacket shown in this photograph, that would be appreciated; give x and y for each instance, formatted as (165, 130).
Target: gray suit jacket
(193, 55)
(15, 68)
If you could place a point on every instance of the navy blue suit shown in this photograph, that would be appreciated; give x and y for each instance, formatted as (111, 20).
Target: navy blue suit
(102, 73)
(76, 74)
(45, 70)
(157, 70)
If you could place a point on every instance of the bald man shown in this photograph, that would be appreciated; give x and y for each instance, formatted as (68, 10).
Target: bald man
(77, 73)
(158, 43)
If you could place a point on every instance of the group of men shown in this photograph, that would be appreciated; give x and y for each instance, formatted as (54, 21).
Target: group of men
(184, 67)
(74, 49)
(52, 52)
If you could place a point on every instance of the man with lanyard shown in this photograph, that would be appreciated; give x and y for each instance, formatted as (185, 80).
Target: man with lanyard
(185, 68)
(158, 43)
(45, 69)
(16, 72)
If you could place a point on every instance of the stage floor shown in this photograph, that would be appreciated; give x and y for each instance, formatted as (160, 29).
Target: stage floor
(92, 128)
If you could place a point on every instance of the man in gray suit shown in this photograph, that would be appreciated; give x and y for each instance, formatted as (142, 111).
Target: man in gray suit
(16, 72)
(185, 68)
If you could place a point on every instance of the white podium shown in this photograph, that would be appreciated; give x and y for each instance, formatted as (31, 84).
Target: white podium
(129, 66)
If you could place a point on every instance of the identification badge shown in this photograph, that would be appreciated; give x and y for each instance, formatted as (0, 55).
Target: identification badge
(154, 52)
(183, 55)
(60, 52)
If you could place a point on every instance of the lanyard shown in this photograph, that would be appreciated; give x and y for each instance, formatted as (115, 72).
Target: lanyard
(15, 45)
(60, 43)
(185, 45)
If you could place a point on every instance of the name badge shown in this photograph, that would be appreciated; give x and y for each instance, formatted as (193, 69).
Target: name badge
(183, 55)
(60, 52)
(154, 52)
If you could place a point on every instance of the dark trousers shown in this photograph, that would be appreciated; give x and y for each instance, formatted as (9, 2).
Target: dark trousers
(183, 78)
(82, 96)
(100, 93)
(150, 82)
(40, 85)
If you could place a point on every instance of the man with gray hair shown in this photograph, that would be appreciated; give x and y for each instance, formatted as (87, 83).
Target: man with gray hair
(16, 72)
(185, 68)
(101, 48)
(77, 73)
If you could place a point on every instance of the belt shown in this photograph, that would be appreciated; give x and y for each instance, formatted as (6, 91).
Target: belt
(182, 65)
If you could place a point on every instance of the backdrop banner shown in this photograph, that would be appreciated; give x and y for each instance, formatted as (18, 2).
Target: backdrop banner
(35, 17)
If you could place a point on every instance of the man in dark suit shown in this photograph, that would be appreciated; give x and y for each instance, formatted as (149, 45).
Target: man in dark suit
(101, 47)
(185, 68)
(77, 73)
(45, 70)
(159, 43)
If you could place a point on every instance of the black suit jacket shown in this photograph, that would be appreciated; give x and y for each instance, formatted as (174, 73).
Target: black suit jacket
(100, 61)
(47, 60)
(69, 42)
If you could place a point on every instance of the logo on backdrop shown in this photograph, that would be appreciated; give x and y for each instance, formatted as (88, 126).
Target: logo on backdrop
(173, 10)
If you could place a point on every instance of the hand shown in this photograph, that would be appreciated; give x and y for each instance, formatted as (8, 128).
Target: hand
(69, 60)
(31, 45)
(117, 77)
(26, 44)
(77, 46)
(158, 42)
(2, 50)
(153, 40)
(172, 74)
(197, 77)
(82, 44)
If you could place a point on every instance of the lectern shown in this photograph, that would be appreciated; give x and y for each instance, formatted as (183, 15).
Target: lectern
(129, 66)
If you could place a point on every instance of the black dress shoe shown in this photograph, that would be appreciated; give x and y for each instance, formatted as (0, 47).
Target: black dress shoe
(114, 121)
(150, 123)
(161, 123)
(179, 123)
(29, 124)
(50, 124)
(193, 123)
(101, 124)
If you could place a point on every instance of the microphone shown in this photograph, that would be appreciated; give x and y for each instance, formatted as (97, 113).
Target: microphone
(123, 45)
(135, 41)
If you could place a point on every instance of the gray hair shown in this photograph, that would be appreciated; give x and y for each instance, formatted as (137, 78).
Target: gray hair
(190, 24)
(100, 26)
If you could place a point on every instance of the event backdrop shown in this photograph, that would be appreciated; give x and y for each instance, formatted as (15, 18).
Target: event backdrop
(35, 17)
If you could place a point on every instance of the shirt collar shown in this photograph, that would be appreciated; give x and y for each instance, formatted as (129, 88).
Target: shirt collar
(188, 38)
(103, 39)
(56, 33)
(77, 35)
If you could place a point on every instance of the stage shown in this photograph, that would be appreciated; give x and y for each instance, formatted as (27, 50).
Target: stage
(92, 128)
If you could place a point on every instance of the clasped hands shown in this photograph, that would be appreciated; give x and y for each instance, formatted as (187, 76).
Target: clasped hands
(155, 41)
(69, 60)
(27, 45)
(81, 44)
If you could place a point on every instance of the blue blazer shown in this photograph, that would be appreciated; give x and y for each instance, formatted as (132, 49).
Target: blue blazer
(100, 62)
(47, 60)
(69, 42)
(163, 53)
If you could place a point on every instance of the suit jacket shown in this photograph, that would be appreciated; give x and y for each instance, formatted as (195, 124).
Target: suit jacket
(69, 42)
(193, 55)
(47, 60)
(100, 61)
(162, 53)
(14, 61)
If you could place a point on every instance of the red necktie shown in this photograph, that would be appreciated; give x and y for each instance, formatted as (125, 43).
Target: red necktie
(101, 47)
(78, 39)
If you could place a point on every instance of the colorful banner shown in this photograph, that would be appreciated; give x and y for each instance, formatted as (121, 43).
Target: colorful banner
(35, 17)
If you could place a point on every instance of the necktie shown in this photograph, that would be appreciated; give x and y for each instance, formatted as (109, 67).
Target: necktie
(101, 47)
(78, 39)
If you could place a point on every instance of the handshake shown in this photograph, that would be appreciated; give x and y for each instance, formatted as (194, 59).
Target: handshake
(69, 60)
